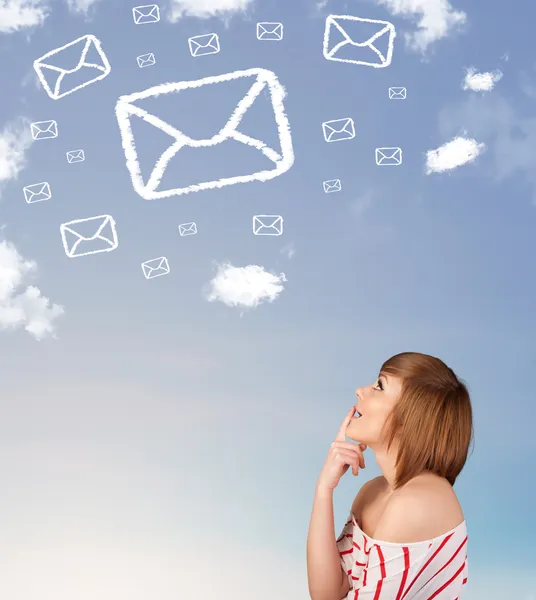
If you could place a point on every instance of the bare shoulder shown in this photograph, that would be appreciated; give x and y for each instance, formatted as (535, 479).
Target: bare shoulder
(366, 492)
(423, 509)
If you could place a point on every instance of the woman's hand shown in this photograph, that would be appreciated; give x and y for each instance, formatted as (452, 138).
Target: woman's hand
(341, 456)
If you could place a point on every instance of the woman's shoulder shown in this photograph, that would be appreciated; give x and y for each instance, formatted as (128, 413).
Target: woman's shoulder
(423, 509)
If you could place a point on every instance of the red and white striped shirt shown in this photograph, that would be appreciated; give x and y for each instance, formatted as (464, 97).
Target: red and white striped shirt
(435, 569)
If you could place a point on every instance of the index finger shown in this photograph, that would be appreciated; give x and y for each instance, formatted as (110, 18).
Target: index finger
(341, 435)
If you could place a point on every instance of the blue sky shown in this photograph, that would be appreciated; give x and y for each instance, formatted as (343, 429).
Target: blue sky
(155, 442)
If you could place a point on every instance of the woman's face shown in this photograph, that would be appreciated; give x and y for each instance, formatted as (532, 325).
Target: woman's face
(374, 403)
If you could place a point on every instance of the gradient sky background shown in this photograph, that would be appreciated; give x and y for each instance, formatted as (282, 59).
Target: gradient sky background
(164, 446)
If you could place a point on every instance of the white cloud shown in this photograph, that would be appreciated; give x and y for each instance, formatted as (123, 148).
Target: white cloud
(81, 6)
(206, 8)
(15, 140)
(509, 135)
(481, 82)
(455, 153)
(19, 14)
(28, 309)
(436, 19)
(244, 286)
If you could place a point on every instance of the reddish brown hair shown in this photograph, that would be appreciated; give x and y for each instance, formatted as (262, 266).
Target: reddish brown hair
(432, 420)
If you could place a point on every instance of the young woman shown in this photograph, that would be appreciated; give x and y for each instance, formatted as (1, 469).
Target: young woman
(405, 537)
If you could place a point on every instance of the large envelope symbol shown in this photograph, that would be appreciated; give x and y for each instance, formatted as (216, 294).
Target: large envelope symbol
(268, 225)
(82, 73)
(263, 80)
(397, 93)
(200, 45)
(155, 267)
(363, 50)
(388, 156)
(333, 185)
(100, 236)
(37, 192)
(270, 31)
(338, 130)
(44, 130)
(150, 13)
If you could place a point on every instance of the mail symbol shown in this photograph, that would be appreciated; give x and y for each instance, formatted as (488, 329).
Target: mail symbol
(59, 81)
(372, 47)
(150, 13)
(389, 156)
(333, 185)
(75, 156)
(270, 31)
(280, 155)
(338, 130)
(146, 60)
(44, 130)
(201, 45)
(187, 229)
(155, 267)
(37, 192)
(89, 236)
(397, 93)
(268, 225)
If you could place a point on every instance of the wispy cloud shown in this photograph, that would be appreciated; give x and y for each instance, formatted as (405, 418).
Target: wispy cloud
(206, 8)
(21, 14)
(16, 15)
(81, 6)
(15, 139)
(288, 250)
(453, 154)
(510, 136)
(481, 82)
(245, 287)
(27, 308)
(436, 19)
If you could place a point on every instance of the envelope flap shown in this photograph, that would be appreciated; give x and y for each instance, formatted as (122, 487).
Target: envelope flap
(204, 41)
(44, 126)
(268, 220)
(150, 10)
(89, 229)
(357, 32)
(270, 27)
(168, 107)
(338, 126)
(389, 152)
(67, 58)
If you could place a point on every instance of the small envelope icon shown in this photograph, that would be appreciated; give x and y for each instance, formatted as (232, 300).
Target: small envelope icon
(268, 225)
(44, 130)
(187, 229)
(364, 41)
(201, 45)
(333, 185)
(59, 81)
(146, 60)
(89, 236)
(270, 31)
(262, 81)
(150, 13)
(155, 267)
(397, 93)
(338, 130)
(74, 156)
(37, 192)
(389, 156)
